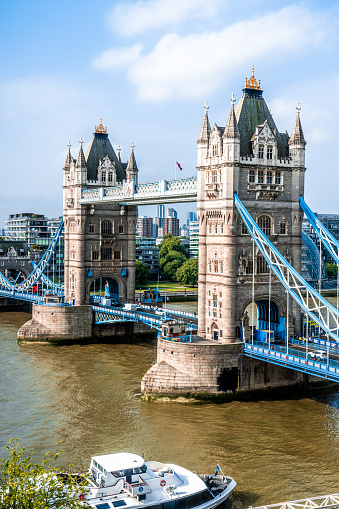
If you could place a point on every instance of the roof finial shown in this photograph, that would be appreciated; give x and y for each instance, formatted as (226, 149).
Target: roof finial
(119, 150)
(100, 128)
(69, 145)
(298, 107)
(232, 99)
(132, 146)
(252, 82)
(206, 107)
(80, 141)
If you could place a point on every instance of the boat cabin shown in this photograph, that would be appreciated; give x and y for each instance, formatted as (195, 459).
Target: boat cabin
(109, 468)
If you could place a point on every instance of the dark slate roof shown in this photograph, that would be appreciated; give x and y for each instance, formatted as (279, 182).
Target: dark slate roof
(250, 112)
(99, 148)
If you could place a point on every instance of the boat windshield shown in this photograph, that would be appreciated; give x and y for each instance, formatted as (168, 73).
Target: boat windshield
(130, 471)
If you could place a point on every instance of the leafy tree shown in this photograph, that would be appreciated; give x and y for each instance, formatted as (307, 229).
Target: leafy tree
(170, 269)
(170, 243)
(331, 269)
(141, 273)
(28, 485)
(187, 274)
(172, 254)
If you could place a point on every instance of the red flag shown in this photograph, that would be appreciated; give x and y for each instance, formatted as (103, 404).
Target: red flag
(179, 166)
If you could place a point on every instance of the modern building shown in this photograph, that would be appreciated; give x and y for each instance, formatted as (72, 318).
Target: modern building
(172, 213)
(161, 211)
(145, 226)
(27, 227)
(194, 239)
(146, 251)
(171, 225)
(190, 216)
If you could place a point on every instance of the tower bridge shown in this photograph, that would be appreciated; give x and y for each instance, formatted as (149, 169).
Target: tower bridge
(249, 190)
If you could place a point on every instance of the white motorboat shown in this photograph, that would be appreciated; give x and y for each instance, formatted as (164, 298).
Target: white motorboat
(125, 480)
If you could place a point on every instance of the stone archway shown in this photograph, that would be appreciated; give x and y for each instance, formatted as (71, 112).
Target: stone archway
(106, 285)
(215, 331)
(263, 316)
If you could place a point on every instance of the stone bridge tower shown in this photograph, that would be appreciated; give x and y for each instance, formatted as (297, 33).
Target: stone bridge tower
(99, 239)
(266, 169)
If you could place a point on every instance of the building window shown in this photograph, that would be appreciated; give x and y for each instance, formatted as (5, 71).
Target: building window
(110, 177)
(261, 152)
(72, 227)
(106, 227)
(95, 255)
(91, 228)
(260, 177)
(244, 230)
(121, 228)
(222, 227)
(103, 177)
(222, 266)
(214, 177)
(210, 228)
(269, 177)
(269, 151)
(117, 255)
(249, 267)
(251, 176)
(278, 178)
(282, 228)
(264, 223)
(106, 253)
(215, 150)
(216, 266)
(216, 227)
(261, 265)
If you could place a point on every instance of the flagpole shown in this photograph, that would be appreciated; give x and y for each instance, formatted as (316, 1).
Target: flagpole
(175, 171)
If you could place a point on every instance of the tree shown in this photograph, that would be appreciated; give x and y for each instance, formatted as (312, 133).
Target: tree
(170, 243)
(141, 273)
(172, 254)
(331, 269)
(28, 485)
(187, 274)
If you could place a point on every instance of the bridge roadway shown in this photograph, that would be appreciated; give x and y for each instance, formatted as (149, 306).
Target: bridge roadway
(325, 501)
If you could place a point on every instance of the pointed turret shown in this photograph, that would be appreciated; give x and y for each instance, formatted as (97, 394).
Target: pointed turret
(231, 136)
(132, 169)
(297, 136)
(231, 129)
(297, 142)
(81, 161)
(68, 157)
(203, 140)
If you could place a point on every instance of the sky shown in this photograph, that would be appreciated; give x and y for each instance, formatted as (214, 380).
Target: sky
(146, 67)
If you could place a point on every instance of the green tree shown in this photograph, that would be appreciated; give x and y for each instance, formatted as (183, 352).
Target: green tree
(28, 485)
(187, 274)
(141, 273)
(172, 254)
(331, 269)
(170, 243)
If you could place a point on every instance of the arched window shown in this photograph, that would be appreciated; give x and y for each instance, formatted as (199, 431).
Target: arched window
(269, 151)
(261, 152)
(264, 223)
(283, 228)
(121, 228)
(106, 227)
(106, 253)
(261, 265)
(103, 177)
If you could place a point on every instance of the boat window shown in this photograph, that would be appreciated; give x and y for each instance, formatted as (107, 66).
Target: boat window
(95, 463)
(140, 470)
(119, 503)
(169, 505)
(103, 506)
(119, 473)
(100, 468)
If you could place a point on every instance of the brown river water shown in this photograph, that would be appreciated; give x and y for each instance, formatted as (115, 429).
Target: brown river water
(89, 398)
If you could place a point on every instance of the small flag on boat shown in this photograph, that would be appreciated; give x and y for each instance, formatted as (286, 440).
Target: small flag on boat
(179, 166)
(217, 470)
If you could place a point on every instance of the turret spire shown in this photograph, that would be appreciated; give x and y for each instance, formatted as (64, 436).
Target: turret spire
(231, 129)
(297, 136)
(205, 128)
(81, 161)
(132, 169)
(68, 157)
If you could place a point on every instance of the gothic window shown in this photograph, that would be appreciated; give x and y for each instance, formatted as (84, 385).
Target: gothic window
(269, 177)
(264, 223)
(282, 228)
(260, 177)
(215, 150)
(251, 177)
(278, 177)
(210, 266)
(72, 227)
(72, 254)
(106, 227)
(214, 177)
(261, 152)
(261, 265)
(117, 255)
(244, 230)
(106, 253)
(121, 228)
(103, 176)
(216, 227)
(95, 255)
(269, 151)
(243, 267)
(72, 280)
(209, 177)
(110, 177)
(249, 267)
(222, 227)
(222, 266)
(210, 228)
(220, 177)
(216, 266)
(91, 228)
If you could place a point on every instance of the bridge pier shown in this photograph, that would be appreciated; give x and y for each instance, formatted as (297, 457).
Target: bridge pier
(210, 367)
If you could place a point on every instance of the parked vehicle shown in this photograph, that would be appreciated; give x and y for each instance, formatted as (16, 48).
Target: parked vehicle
(317, 355)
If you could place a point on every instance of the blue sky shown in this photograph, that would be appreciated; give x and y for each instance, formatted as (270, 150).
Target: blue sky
(146, 68)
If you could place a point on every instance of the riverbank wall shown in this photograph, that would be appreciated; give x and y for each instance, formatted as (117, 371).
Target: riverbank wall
(69, 324)
(7, 304)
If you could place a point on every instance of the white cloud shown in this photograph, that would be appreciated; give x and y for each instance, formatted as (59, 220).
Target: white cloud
(144, 15)
(192, 66)
(117, 59)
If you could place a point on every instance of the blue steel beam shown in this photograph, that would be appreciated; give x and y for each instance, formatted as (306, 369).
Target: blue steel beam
(314, 304)
(330, 242)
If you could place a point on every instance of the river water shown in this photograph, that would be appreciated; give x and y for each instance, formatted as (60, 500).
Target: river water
(88, 397)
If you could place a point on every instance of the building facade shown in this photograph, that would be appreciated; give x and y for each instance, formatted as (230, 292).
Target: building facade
(27, 227)
(266, 169)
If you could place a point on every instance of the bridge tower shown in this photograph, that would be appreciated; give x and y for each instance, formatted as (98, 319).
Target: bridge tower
(266, 169)
(100, 238)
